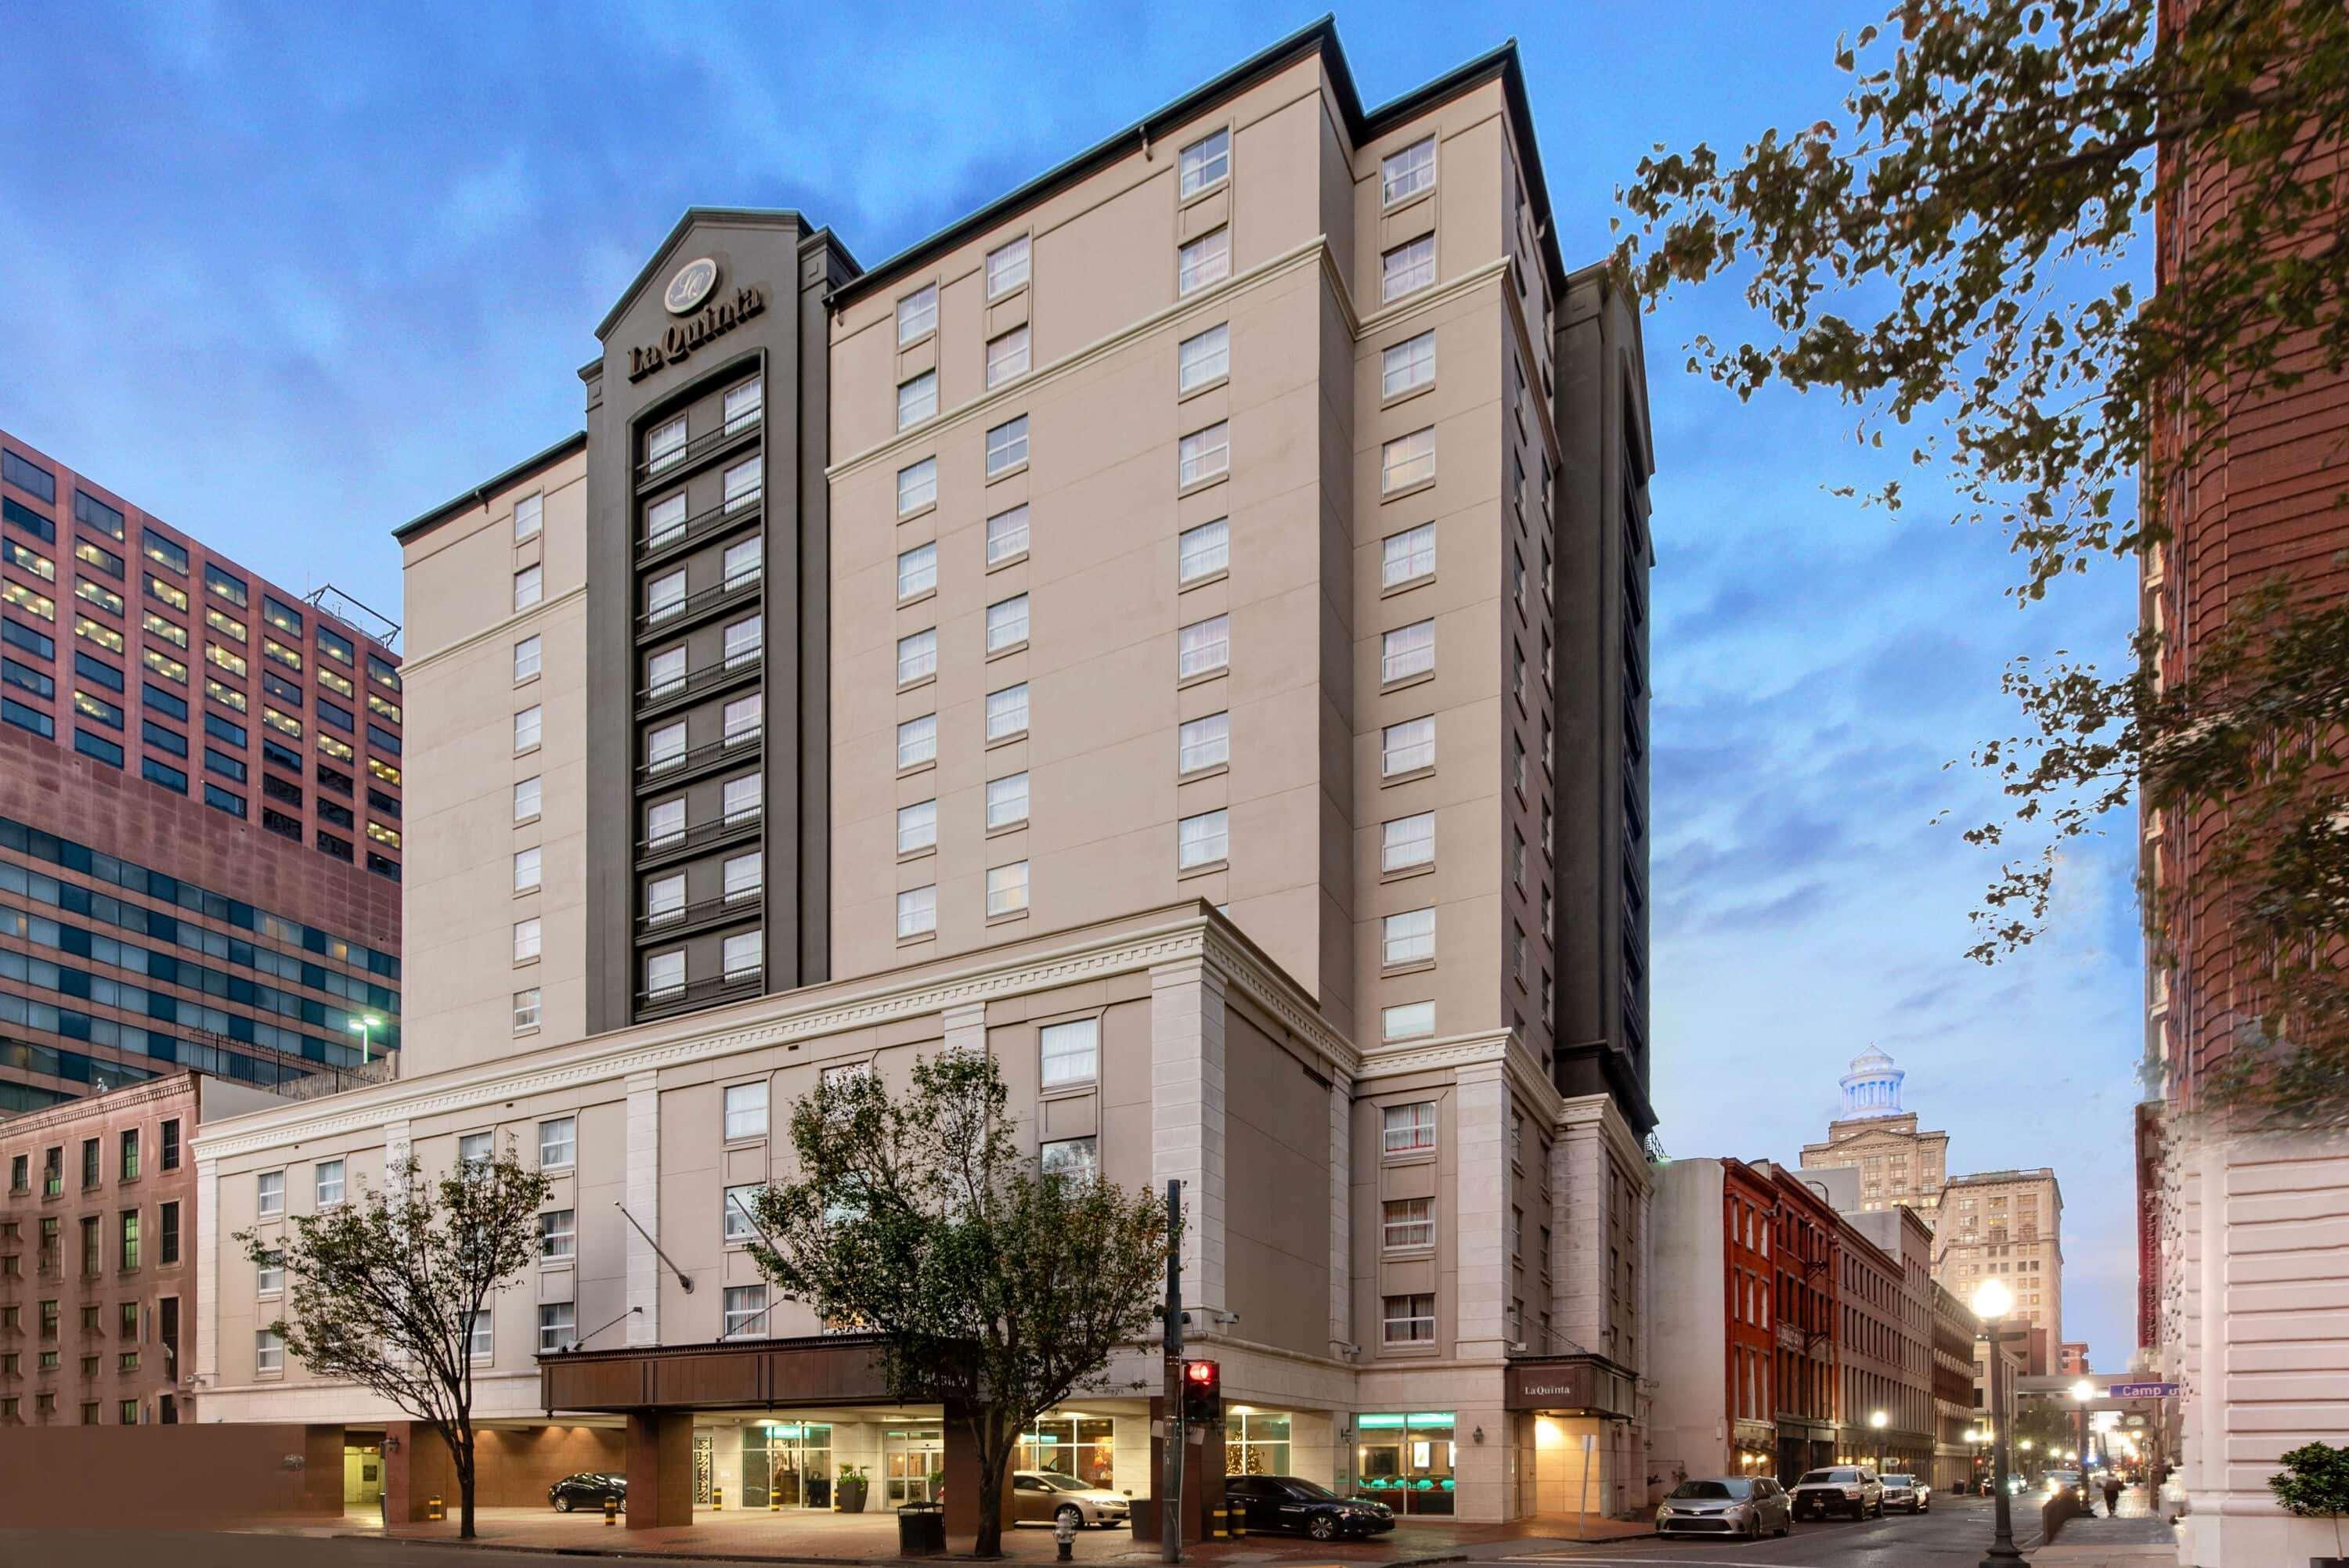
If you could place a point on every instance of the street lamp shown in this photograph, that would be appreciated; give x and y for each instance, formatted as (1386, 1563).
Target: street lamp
(2026, 1461)
(1992, 1300)
(1875, 1420)
(2082, 1392)
(361, 1025)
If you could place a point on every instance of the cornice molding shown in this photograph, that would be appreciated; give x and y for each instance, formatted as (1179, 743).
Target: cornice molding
(497, 631)
(67, 1113)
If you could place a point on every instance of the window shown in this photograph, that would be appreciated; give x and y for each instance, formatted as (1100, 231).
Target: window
(665, 899)
(484, 1343)
(225, 584)
(1071, 1052)
(558, 1233)
(1204, 743)
(664, 823)
(529, 516)
(127, 1243)
(917, 826)
(917, 400)
(525, 940)
(918, 740)
(526, 657)
(558, 1327)
(744, 640)
(1407, 746)
(526, 870)
(1007, 802)
(1006, 446)
(1203, 646)
(1409, 1222)
(744, 1306)
(664, 975)
(526, 799)
(1007, 888)
(23, 598)
(1203, 552)
(169, 631)
(745, 563)
(1407, 651)
(917, 315)
(106, 519)
(1006, 712)
(1407, 460)
(746, 876)
(1407, 267)
(665, 672)
(108, 599)
(326, 1183)
(1407, 173)
(918, 911)
(269, 1194)
(106, 713)
(268, 1353)
(171, 1155)
(106, 638)
(1407, 1020)
(527, 1005)
(1205, 358)
(918, 571)
(1202, 841)
(917, 656)
(529, 586)
(1408, 938)
(744, 719)
(737, 1211)
(744, 404)
(1007, 356)
(1007, 267)
(664, 747)
(917, 486)
(1410, 1320)
(31, 559)
(164, 553)
(665, 522)
(665, 445)
(1204, 454)
(1206, 259)
(166, 1233)
(271, 648)
(746, 1111)
(742, 799)
(745, 482)
(1006, 624)
(1407, 556)
(1408, 1129)
(169, 593)
(1074, 1159)
(1407, 842)
(1408, 365)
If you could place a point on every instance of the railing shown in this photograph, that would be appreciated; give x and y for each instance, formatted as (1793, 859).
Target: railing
(693, 606)
(702, 835)
(742, 745)
(691, 916)
(698, 993)
(712, 677)
(699, 448)
(701, 525)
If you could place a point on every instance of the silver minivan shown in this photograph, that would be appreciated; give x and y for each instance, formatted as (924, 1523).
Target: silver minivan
(1750, 1506)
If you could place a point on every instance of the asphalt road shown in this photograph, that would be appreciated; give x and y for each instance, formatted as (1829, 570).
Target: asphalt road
(1953, 1535)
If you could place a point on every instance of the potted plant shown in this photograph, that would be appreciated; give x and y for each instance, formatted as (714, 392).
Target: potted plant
(2314, 1484)
(850, 1493)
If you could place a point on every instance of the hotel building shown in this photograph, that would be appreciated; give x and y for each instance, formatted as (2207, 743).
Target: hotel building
(1182, 630)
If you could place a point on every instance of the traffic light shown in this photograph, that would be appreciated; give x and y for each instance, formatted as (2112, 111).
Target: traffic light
(1203, 1392)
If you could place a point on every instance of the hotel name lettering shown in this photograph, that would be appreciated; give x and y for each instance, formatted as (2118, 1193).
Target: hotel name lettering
(713, 321)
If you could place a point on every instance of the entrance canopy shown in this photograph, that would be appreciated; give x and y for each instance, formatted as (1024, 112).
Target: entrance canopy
(832, 1369)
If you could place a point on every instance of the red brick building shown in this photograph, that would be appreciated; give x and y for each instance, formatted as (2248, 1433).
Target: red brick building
(1749, 1283)
(1806, 1261)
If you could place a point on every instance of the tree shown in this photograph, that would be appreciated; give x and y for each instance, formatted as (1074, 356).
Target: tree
(385, 1289)
(1976, 207)
(2314, 1484)
(996, 1288)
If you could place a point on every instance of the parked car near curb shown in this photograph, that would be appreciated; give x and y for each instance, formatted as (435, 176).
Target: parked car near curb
(1907, 1493)
(1750, 1506)
(1042, 1497)
(1290, 1503)
(587, 1490)
(1852, 1490)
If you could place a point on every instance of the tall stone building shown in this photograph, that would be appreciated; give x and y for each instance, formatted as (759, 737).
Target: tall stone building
(1898, 1164)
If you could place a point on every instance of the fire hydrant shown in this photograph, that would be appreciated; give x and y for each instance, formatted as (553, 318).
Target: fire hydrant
(1064, 1530)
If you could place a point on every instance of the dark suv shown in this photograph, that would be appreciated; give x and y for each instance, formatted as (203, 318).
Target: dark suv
(1291, 1503)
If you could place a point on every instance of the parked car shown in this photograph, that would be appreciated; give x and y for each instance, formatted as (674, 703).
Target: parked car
(1290, 1503)
(587, 1490)
(1907, 1493)
(1750, 1506)
(1045, 1497)
(1851, 1490)
(2057, 1480)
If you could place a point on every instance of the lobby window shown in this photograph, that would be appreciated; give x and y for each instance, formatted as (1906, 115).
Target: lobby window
(918, 571)
(744, 483)
(558, 1142)
(1072, 1160)
(917, 656)
(1203, 360)
(917, 826)
(326, 1183)
(1410, 1320)
(1404, 174)
(529, 516)
(1407, 1020)
(1408, 938)
(1204, 743)
(917, 400)
(529, 586)
(917, 315)
(1006, 624)
(1205, 164)
(664, 976)
(1408, 267)
(745, 404)
(746, 1111)
(745, 876)
(1407, 747)
(1206, 259)
(1407, 460)
(268, 1353)
(665, 445)
(665, 522)
(917, 486)
(1204, 454)
(1006, 446)
(917, 741)
(1407, 842)
(269, 1194)
(1202, 841)
(1007, 888)
(526, 870)
(745, 1308)
(1203, 552)
(558, 1327)
(918, 911)
(1070, 1052)
(1408, 365)
(526, 940)
(1006, 712)
(1007, 356)
(1203, 647)
(1408, 1129)
(1007, 267)
(1407, 651)
(558, 1233)
(1408, 1223)
(1007, 802)
(1007, 535)
(526, 799)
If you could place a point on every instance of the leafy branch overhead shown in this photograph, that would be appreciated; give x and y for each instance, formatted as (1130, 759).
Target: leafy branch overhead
(1951, 255)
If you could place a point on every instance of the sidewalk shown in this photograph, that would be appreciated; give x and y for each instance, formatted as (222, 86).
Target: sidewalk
(2136, 1538)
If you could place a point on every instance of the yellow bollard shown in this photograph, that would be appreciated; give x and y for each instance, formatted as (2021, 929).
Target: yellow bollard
(611, 1509)
(774, 1500)
(433, 1510)
(717, 1500)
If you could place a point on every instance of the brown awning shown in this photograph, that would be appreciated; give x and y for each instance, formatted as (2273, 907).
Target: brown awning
(831, 1370)
(1590, 1385)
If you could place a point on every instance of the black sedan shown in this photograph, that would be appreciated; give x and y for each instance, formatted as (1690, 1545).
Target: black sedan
(1292, 1503)
(587, 1490)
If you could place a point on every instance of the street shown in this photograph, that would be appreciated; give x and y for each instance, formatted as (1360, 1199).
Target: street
(1956, 1530)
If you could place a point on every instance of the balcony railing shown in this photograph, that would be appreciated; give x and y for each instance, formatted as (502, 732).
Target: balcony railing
(699, 449)
(740, 747)
(744, 905)
(701, 993)
(701, 836)
(741, 667)
(724, 518)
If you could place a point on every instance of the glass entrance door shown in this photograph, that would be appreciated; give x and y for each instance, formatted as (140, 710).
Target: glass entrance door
(913, 1461)
(787, 1462)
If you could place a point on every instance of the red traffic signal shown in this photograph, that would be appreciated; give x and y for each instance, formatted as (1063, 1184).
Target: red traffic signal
(1203, 1392)
(1201, 1375)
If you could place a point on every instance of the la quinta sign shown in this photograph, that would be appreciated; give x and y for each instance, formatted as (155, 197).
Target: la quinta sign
(692, 287)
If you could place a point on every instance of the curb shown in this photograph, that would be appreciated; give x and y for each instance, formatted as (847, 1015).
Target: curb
(651, 1555)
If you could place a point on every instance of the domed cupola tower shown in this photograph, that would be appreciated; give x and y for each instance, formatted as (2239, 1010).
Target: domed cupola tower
(1872, 1087)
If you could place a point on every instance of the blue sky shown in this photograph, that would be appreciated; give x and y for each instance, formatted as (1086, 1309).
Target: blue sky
(289, 277)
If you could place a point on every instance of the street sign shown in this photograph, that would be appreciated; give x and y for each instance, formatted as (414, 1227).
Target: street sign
(2141, 1391)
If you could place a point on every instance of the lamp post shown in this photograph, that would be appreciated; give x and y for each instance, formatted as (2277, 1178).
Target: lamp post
(361, 1026)
(1875, 1420)
(2082, 1392)
(1992, 1303)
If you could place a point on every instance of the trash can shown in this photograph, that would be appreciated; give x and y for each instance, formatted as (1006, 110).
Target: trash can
(921, 1530)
